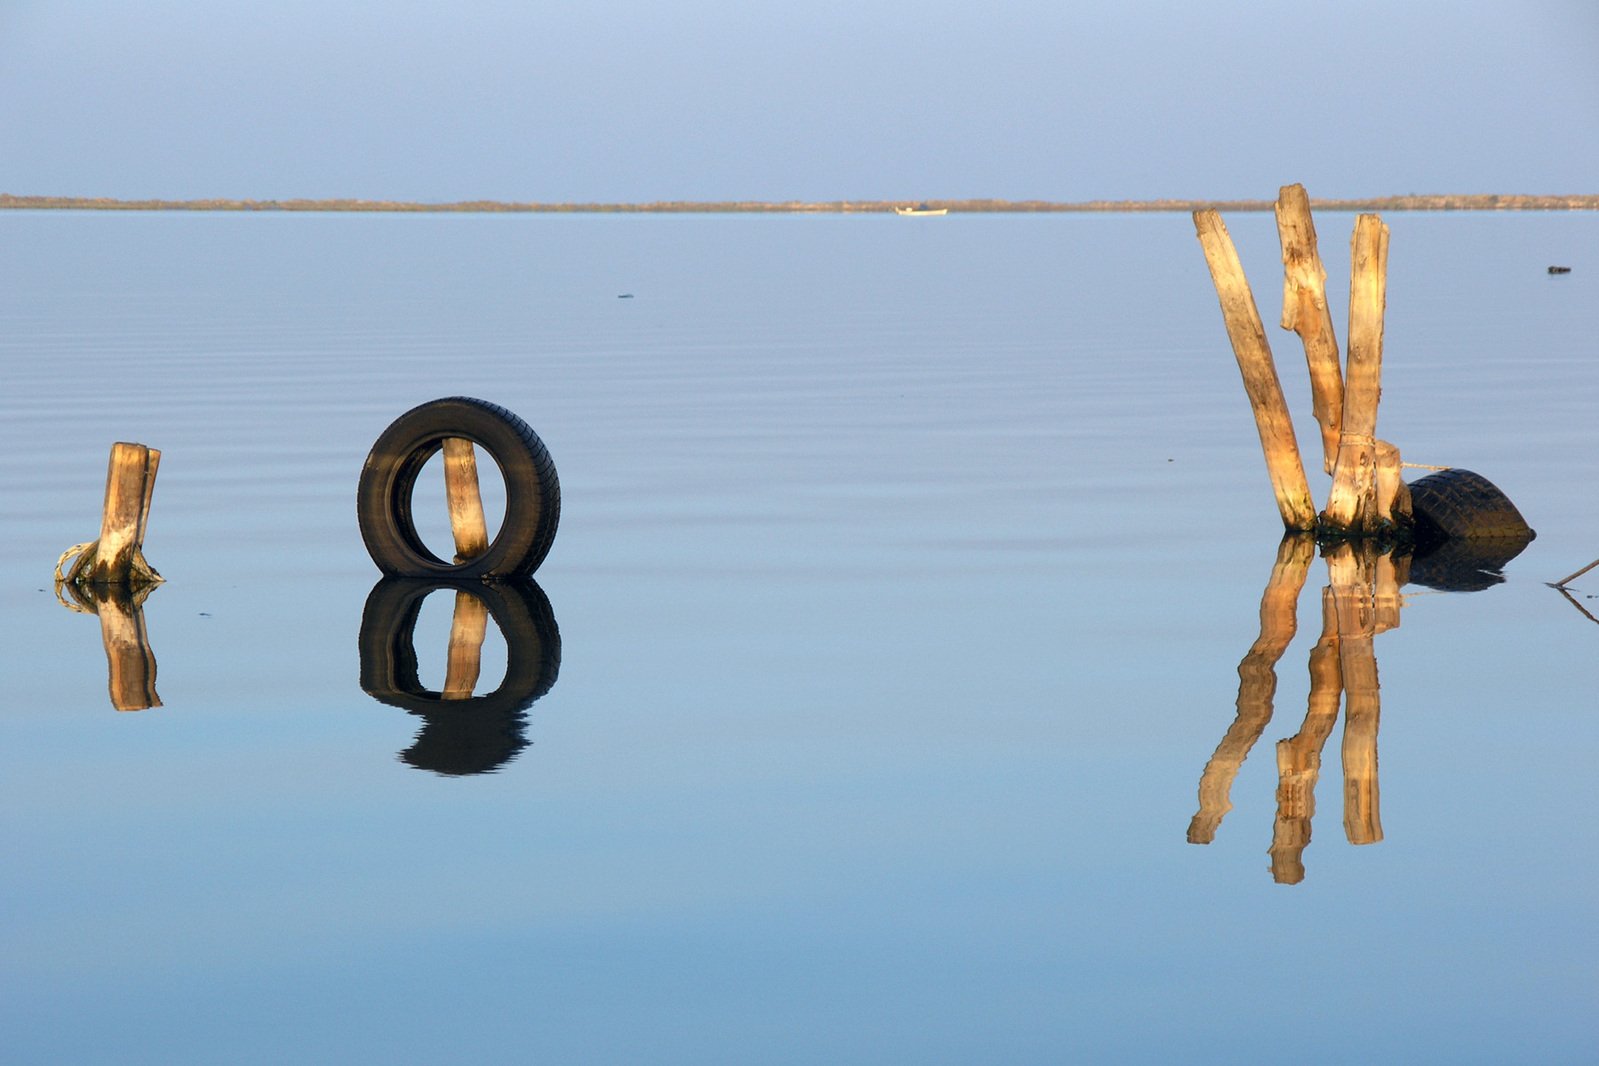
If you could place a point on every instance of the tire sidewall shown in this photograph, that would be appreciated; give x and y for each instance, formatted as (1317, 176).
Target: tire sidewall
(388, 481)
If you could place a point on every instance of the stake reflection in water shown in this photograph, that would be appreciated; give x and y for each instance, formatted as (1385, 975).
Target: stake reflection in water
(1361, 600)
(130, 662)
(461, 733)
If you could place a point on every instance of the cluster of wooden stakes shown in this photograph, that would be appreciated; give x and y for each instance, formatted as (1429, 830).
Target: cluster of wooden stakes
(1368, 511)
(1368, 495)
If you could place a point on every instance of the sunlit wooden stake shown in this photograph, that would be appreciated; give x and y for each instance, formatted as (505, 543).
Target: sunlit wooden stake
(1257, 684)
(1265, 392)
(116, 558)
(464, 660)
(1351, 504)
(1305, 312)
(466, 504)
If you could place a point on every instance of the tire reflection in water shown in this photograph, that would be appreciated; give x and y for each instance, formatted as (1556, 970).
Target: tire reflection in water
(461, 733)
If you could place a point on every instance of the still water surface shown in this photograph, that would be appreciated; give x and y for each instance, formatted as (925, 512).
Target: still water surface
(905, 572)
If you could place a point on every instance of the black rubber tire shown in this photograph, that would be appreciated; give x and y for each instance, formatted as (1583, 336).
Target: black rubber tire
(460, 736)
(532, 491)
(1458, 503)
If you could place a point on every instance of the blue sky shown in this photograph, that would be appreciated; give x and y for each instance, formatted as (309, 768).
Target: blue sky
(821, 100)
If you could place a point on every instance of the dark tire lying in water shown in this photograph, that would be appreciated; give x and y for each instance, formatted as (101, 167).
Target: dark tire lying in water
(1466, 531)
(1459, 503)
(388, 480)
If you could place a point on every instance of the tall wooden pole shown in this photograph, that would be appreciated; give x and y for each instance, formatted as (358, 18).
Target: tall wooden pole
(1253, 353)
(1352, 502)
(1305, 312)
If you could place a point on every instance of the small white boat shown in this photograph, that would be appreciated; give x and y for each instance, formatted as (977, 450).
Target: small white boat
(921, 209)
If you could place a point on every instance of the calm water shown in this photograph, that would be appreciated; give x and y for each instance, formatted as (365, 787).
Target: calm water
(904, 575)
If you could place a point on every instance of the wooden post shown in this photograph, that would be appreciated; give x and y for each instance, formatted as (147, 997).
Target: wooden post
(466, 504)
(1392, 494)
(1257, 684)
(464, 661)
(1305, 312)
(1253, 353)
(117, 558)
(1351, 504)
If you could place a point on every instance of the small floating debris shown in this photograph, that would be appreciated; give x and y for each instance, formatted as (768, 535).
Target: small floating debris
(1559, 270)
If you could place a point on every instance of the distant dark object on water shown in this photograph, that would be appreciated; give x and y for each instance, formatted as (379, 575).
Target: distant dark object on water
(1559, 270)
(629, 296)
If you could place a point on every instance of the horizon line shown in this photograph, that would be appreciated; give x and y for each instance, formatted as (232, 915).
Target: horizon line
(1406, 202)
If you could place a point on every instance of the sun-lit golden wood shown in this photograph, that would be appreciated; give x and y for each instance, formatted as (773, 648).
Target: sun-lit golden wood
(466, 503)
(117, 556)
(1351, 503)
(1305, 312)
(1253, 353)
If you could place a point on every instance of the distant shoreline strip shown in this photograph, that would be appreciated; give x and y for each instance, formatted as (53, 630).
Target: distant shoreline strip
(1468, 202)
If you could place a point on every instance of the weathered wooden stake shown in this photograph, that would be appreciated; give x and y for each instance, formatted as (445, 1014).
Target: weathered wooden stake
(1351, 504)
(464, 660)
(1253, 353)
(1257, 684)
(117, 558)
(1305, 312)
(466, 503)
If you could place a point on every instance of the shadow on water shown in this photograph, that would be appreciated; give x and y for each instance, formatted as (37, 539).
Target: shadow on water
(462, 733)
(1361, 600)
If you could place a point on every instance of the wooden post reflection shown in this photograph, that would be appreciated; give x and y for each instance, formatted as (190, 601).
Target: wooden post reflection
(130, 662)
(1299, 757)
(1354, 587)
(464, 663)
(1257, 684)
(1361, 600)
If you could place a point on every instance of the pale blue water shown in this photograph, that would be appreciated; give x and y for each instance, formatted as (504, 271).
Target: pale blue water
(903, 574)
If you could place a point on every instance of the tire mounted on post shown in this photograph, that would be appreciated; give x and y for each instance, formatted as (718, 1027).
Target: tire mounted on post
(388, 480)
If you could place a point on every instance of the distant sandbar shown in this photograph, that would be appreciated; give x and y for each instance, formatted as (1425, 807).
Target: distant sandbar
(1465, 202)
